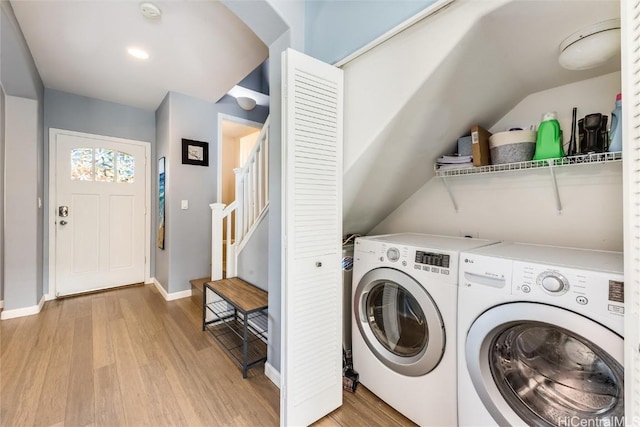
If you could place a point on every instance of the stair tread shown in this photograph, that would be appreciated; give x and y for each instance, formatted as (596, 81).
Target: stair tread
(199, 283)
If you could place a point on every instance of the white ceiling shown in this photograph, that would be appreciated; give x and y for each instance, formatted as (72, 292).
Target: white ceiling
(197, 48)
(237, 130)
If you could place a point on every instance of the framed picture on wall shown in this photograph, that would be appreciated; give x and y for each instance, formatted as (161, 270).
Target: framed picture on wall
(161, 195)
(195, 152)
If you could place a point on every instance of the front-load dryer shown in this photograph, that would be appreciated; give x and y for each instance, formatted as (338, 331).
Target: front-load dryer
(540, 337)
(403, 333)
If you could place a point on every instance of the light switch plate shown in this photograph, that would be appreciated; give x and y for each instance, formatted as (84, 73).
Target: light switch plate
(184, 204)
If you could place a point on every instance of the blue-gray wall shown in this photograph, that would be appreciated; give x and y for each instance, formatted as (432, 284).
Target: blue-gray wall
(1, 194)
(18, 71)
(275, 201)
(68, 111)
(163, 138)
(253, 261)
(258, 79)
(19, 78)
(335, 29)
(187, 253)
(23, 258)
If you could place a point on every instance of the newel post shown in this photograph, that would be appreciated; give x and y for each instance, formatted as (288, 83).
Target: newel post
(216, 240)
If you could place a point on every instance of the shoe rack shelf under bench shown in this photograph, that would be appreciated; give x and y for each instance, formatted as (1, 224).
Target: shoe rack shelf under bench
(235, 313)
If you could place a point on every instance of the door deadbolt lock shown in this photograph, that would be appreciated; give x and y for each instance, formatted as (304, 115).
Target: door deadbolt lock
(318, 264)
(63, 211)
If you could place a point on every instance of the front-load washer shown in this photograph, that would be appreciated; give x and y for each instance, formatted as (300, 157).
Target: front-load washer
(540, 337)
(403, 333)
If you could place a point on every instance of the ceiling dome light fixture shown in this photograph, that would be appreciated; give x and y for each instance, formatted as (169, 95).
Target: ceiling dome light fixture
(246, 103)
(138, 53)
(591, 47)
(150, 10)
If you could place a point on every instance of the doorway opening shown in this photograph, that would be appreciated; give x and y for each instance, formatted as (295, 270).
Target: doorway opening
(237, 139)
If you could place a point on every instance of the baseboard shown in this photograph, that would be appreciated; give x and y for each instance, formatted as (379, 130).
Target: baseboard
(170, 296)
(25, 311)
(49, 297)
(272, 374)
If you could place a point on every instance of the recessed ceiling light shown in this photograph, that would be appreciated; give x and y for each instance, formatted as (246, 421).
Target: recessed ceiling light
(150, 10)
(138, 53)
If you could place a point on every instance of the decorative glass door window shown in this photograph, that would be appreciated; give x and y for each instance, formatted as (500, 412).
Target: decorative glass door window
(102, 165)
(82, 164)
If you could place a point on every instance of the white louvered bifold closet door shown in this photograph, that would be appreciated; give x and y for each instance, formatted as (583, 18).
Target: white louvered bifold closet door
(311, 368)
(630, 19)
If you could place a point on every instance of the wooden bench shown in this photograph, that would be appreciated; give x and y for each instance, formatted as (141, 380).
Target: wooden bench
(236, 315)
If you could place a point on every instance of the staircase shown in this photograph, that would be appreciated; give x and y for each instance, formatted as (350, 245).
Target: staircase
(241, 217)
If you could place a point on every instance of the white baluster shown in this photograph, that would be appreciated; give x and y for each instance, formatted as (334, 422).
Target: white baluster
(239, 234)
(259, 169)
(216, 240)
(246, 201)
(231, 253)
(254, 192)
(266, 166)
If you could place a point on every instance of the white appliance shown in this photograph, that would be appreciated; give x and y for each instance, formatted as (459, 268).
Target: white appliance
(404, 324)
(540, 336)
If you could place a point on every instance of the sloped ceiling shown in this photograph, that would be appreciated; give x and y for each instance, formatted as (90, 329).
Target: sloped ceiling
(197, 48)
(409, 99)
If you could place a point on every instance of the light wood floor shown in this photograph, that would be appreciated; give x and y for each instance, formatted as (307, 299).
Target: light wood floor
(127, 357)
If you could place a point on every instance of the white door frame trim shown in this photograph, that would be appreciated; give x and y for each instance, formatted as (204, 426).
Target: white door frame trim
(52, 214)
(221, 117)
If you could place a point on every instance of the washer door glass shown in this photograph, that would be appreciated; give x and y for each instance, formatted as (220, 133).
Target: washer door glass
(543, 365)
(399, 321)
(396, 319)
(557, 375)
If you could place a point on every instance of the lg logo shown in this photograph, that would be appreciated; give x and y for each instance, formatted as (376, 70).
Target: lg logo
(468, 261)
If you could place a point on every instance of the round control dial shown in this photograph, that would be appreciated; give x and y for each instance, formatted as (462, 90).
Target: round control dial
(393, 254)
(553, 283)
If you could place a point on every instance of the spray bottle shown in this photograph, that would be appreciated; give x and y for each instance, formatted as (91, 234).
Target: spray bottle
(615, 134)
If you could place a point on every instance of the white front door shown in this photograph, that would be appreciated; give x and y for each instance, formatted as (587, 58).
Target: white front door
(99, 208)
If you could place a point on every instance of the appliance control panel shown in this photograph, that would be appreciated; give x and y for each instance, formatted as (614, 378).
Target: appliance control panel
(432, 258)
(593, 291)
(437, 264)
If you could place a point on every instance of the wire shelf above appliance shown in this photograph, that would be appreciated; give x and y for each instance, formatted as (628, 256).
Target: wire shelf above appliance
(533, 164)
(550, 164)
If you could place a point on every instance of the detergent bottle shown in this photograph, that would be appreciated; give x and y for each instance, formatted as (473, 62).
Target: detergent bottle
(615, 134)
(549, 140)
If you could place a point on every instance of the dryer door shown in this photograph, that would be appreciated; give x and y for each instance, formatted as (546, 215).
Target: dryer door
(540, 365)
(399, 321)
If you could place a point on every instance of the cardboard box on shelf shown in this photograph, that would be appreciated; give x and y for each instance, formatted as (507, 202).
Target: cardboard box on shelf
(480, 146)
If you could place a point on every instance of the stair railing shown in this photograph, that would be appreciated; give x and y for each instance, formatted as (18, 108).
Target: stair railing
(242, 215)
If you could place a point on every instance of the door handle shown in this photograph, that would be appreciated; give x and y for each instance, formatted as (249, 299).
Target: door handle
(63, 222)
(363, 307)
